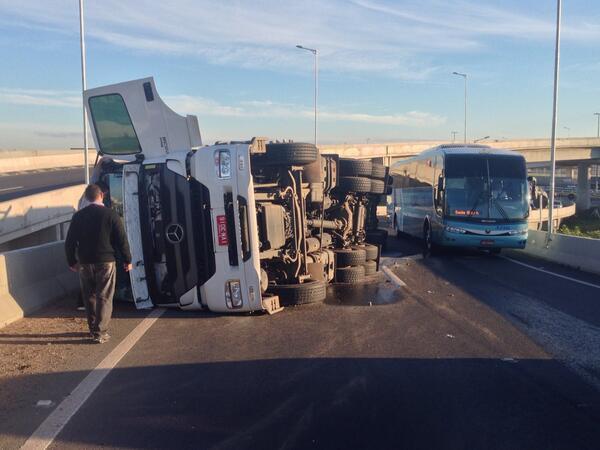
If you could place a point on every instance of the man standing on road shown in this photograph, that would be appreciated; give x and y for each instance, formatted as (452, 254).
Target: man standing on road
(95, 235)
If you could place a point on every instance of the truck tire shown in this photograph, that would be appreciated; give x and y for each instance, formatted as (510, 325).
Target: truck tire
(354, 184)
(377, 187)
(350, 257)
(299, 294)
(372, 252)
(370, 268)
(352, 275)
(378, 172)
(355, 167)
(290, 154)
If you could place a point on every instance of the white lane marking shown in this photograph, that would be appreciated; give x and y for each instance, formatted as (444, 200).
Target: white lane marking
(393, 277)
(539, 269)
(11, 188)
(56, 421)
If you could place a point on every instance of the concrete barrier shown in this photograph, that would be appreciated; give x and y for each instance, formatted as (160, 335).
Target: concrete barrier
(577, 252)
(43, 160)
(26, 215)
(33, 277)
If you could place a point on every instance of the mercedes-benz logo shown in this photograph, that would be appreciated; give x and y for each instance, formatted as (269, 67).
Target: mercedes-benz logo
(488, 231)
(174, 233)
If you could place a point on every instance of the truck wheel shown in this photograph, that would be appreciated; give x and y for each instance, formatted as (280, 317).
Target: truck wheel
(377, 187)
(378, 172)
(370, 267)
(350, 257)
(354, 184)
(355, 167)
(299, 294)
(372, 252)
(290, 154)
(350, 274)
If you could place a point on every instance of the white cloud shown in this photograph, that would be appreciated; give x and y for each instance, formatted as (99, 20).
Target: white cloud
(361, 36)
(208, 107)
(39, 97)
(256, 109)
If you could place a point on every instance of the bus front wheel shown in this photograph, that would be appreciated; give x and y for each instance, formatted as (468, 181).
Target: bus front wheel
(428, 246)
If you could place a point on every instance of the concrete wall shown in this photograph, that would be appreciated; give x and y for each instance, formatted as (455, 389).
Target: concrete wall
(577, 252)
(42, 160)
(27, 215)
(33, 277)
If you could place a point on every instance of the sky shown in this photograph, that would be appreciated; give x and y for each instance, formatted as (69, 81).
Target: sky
(385, 67)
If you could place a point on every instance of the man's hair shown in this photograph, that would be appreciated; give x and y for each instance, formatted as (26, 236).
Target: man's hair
(92, 192)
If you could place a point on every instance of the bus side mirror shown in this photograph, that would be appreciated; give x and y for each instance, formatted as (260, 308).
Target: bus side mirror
(440, 183)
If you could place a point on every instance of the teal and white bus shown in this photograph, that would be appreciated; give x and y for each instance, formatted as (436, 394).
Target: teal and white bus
(462, 196)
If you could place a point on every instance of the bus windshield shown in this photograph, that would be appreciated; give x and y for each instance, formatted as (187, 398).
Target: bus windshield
(491, 187)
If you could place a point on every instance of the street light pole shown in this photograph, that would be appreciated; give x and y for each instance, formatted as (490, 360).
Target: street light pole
(568, 131)
(554, 124)
(464, 75)
(598, 131)
(454, 136)
(315, 52)
(83, 88)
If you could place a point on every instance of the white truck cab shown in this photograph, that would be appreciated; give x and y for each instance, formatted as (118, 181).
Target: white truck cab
(188, 210)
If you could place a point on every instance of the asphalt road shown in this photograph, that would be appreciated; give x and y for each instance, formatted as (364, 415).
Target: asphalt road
(476, 351)
(15, 185)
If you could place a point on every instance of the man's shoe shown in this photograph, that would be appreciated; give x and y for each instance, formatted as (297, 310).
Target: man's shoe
(101, 339)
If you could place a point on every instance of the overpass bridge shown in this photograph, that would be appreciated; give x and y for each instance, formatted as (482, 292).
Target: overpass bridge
(581, 153)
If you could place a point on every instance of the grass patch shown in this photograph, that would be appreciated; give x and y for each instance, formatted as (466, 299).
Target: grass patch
(582, 225)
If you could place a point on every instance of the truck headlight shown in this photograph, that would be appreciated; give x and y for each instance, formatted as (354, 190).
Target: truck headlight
(451, 229)
(233, 293)
(223, 163)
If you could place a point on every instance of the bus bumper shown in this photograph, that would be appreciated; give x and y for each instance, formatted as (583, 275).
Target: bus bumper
(483, 241)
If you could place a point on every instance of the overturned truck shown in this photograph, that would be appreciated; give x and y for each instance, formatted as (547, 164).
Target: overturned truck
(230, 227)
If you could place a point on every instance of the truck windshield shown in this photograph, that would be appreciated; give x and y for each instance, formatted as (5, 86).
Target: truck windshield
(486, 187)
(113, 126)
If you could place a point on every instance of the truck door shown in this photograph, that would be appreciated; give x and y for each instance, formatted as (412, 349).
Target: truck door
(130, 118)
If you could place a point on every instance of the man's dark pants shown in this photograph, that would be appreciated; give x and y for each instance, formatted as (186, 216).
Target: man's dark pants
(97, 288)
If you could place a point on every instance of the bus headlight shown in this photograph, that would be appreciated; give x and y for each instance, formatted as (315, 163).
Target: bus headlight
(451, 229)
(233, 293)
(223, 163)
(517, 232)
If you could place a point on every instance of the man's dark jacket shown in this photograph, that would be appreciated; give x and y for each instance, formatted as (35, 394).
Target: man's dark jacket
(96, 235)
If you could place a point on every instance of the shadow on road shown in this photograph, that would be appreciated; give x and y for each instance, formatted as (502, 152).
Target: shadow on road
(329, 403)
